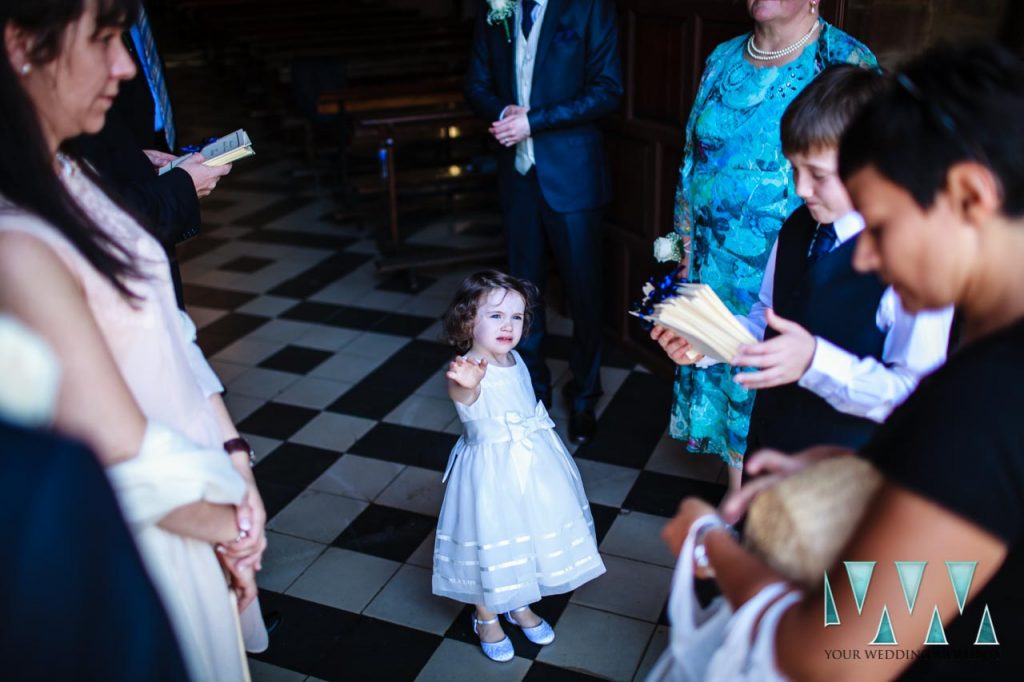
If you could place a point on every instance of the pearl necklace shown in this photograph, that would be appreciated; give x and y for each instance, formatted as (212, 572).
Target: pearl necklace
(767, 56)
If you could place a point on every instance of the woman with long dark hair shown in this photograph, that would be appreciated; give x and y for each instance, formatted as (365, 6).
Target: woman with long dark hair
(90, 280)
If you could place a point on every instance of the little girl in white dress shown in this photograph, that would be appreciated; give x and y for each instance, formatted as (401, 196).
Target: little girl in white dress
(515, 524)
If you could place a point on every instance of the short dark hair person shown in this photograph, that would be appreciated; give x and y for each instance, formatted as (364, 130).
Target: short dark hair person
(817, 117)
(956, 103)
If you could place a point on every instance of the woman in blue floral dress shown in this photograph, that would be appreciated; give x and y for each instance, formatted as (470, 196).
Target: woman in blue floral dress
(735, 190)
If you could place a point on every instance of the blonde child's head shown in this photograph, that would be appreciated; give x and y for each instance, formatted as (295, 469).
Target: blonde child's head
(811, 128)
(462, 318)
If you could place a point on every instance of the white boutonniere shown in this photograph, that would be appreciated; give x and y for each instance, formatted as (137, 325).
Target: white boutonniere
(668, 248)
(501, 10)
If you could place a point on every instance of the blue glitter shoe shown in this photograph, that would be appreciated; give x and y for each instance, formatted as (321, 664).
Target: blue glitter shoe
(496, 651)
(542, 633)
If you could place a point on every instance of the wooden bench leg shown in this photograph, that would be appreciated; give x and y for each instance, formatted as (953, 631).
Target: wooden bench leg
(392, 191)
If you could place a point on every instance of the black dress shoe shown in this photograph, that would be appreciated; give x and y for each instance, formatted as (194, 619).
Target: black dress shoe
(582, 425)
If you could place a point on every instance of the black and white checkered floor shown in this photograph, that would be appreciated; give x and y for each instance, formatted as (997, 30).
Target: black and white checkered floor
(335, 376)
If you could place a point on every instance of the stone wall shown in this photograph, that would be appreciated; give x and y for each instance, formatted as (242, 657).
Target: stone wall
(898, 29)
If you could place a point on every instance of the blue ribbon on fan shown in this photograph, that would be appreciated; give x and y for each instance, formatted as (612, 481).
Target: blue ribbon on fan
(664, 288)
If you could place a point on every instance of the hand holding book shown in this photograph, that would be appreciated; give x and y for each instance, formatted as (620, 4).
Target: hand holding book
(204, 178)
(158, 158)
(694, 312)
(676, 347)
(228, 149)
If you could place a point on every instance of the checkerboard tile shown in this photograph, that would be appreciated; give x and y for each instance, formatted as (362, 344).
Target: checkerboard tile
(336, 376)
(348, 398)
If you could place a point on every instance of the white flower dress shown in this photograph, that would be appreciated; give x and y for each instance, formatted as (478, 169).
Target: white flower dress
(515, 524)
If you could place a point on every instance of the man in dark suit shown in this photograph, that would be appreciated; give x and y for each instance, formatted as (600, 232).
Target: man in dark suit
(545, 75)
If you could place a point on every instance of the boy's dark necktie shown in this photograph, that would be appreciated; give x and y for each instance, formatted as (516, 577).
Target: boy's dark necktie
(528, 6)
(824, 239)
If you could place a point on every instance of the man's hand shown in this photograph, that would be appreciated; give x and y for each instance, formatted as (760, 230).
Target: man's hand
(158, 158)
(203, 177)
(782, 360)
(676, 347)
(768, 467)
(514, 126)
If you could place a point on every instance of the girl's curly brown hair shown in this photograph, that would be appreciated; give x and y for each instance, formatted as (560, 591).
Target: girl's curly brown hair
(458, 321)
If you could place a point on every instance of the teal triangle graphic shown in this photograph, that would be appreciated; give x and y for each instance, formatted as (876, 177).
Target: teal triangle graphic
(986, 631)
(936, 635)
(961, 574)
(911, 573)
(831, 613)
(884, 636)
(859, 573)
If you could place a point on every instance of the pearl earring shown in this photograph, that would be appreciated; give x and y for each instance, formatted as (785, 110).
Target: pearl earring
(25, 68)
(814, 7)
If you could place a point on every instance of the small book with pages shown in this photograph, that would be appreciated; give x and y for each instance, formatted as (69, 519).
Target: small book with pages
(227, 149)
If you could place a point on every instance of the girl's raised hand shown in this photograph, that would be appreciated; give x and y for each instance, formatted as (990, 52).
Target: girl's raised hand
(466, 372)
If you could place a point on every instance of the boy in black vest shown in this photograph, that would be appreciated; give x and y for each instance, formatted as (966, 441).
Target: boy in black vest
(839, 351)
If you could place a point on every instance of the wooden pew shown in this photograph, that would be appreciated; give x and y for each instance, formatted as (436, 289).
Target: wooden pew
(390, 130)
(404, 94)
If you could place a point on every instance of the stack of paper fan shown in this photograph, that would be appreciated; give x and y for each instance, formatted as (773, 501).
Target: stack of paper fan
(696, 313)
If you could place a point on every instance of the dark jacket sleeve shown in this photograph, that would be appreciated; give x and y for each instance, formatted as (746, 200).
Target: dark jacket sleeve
(602, 91)
(166, 204)
(169, 202)
(480, 91)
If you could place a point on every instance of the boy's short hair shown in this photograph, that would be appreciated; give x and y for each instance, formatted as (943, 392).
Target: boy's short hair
(819, 115)
(954, 103)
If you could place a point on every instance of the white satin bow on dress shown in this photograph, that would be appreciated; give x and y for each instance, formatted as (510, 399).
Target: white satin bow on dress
(514, 428)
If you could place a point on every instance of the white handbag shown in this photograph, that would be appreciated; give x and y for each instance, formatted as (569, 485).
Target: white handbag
(715, 644)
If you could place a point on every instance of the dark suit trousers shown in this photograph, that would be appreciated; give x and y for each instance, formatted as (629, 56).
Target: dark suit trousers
(531, 225)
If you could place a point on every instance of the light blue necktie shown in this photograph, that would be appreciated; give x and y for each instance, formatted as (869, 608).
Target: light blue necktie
(145, 46)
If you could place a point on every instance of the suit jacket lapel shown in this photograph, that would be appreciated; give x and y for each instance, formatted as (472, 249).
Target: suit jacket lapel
(506, 54)
(552, 15)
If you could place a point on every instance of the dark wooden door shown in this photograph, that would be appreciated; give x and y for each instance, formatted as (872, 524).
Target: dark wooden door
(664, 44)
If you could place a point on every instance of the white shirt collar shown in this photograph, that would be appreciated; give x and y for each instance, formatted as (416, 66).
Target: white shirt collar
(848, 226)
